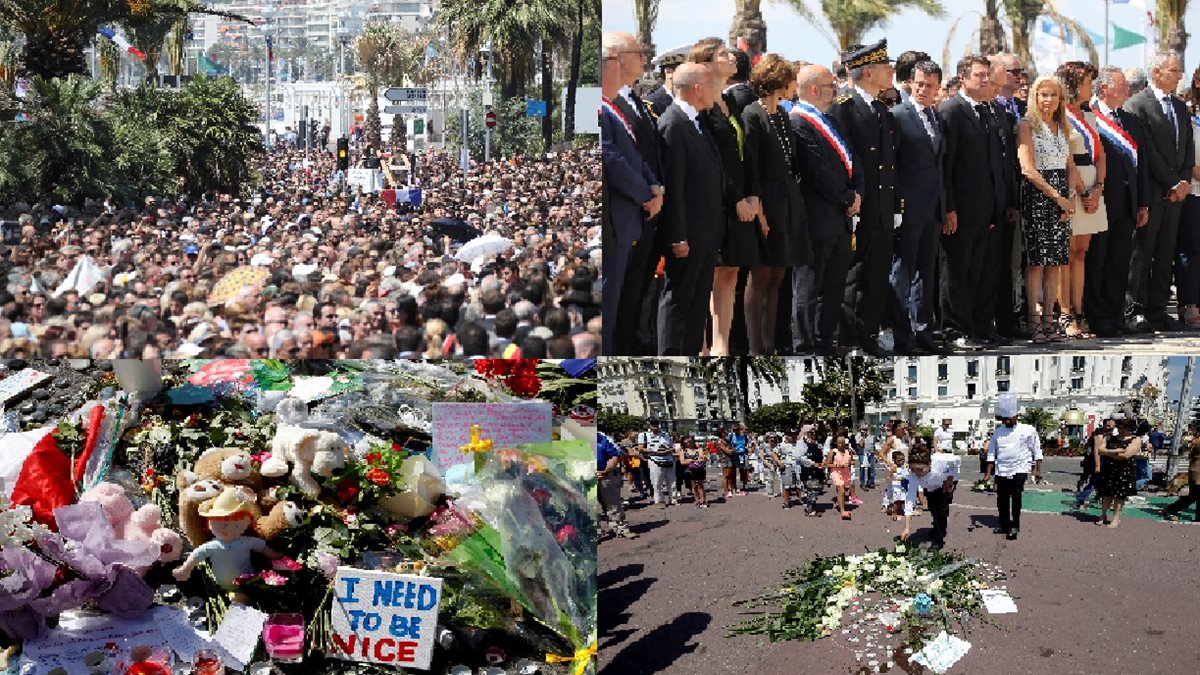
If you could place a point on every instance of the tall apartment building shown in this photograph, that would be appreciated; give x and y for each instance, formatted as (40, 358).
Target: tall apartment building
(677, 391)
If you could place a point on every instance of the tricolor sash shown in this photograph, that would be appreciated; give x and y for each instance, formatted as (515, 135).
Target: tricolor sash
(818, 120)
(1109, 129)
(606, 106)
(1091, 141)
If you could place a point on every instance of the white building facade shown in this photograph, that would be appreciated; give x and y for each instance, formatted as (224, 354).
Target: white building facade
(680, 392)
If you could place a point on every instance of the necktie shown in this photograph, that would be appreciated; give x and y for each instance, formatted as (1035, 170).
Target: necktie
(933, 127)
(1171, 114)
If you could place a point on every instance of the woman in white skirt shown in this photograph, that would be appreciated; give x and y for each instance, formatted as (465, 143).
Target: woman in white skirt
(1090, 215)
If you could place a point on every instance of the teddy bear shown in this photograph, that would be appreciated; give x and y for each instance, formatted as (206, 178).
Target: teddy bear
(280, 517)
(128, 523)
(305, 451)
(230, 466)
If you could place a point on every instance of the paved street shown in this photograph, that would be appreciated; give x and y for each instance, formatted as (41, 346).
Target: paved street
(1091, 599)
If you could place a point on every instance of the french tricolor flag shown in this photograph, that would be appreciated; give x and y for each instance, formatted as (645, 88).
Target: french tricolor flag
(120, 42)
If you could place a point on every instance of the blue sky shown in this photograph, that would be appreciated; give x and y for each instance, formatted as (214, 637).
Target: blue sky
(1175, 368)
(684, 21)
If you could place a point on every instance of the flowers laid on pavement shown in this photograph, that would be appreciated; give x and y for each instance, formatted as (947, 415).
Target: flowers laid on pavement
(903, 591)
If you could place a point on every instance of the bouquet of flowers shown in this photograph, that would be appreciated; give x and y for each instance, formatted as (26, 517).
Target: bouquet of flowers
(983, 485)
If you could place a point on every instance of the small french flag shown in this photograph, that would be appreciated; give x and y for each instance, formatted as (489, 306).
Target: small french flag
(121, 42)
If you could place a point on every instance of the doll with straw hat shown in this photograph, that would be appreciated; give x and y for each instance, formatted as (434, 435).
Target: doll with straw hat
(229, 514)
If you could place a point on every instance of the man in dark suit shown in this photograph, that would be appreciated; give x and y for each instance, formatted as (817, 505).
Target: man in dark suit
(635, 328)
(920, 149)
(999, 299)
(738, 87)
(661, 98)
(630, 183)
(1126, 190)
(868, 128)
(975, 201)
(1006, 94)
(830, 201)
(904, 72)
(693, 223)
(1169, 155)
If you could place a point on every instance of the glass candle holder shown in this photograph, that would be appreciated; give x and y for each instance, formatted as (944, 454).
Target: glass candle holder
(283, 635)
(208, 662)
(145, 660)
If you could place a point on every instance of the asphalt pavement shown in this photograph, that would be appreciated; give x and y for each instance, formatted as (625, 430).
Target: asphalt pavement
(1091, 600)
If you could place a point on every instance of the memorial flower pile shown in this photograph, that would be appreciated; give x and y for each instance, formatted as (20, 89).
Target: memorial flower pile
(901, 593)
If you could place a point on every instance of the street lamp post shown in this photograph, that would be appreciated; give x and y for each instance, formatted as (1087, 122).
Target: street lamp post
(268, 32)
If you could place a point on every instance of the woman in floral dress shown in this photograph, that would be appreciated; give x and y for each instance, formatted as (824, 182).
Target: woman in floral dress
(1117, 474)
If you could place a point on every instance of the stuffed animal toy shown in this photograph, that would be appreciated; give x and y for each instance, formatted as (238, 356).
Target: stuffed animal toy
(304, 451)
(283, 516)
(230, 466)
(128, 523)
(190, 499)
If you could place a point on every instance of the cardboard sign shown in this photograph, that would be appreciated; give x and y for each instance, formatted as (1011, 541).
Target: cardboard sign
(385, 618)
(506, 424)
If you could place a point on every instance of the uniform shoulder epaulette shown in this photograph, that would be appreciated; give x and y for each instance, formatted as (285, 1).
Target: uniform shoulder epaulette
(843, 98)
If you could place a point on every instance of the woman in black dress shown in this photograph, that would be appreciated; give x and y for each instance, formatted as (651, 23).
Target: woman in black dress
(771, 178)
(1117, 475)
(740, 248)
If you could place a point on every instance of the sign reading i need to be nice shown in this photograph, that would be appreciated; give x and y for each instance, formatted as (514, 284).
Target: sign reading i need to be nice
(385, 618)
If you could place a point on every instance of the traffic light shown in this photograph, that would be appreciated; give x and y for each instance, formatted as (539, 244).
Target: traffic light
(313, 132)
(343, 154)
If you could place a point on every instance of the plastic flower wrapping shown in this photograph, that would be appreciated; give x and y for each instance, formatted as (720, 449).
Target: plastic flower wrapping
(514, 546)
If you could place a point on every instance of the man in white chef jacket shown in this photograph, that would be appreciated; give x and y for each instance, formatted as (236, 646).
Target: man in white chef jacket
(1015, 448)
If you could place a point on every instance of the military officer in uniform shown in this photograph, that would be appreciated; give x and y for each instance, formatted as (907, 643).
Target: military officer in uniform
(661, 98)
(870, 131)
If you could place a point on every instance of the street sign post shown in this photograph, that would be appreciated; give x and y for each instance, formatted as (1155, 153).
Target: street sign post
(490, 119)
(399, 94)
(410, 109)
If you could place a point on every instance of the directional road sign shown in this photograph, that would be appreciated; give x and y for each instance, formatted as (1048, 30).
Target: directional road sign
(410, 109)
(406, 94)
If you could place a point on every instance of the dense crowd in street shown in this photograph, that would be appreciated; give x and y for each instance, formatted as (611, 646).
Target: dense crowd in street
(818, 468)
(764, 206)
(501, 262)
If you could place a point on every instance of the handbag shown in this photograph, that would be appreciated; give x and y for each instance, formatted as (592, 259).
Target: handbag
(698, 465)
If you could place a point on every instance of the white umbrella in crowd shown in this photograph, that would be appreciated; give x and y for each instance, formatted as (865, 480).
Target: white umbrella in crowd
(483, 247)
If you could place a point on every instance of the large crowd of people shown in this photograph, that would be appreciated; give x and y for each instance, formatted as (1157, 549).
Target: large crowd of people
(765, 206)
(308, 266)
(821, 468)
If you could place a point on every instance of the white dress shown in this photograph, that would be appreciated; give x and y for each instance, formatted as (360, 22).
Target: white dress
(1083, 222)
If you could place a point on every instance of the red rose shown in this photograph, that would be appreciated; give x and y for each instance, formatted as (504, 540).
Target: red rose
(540, 495)
(373, 457)
(378, 477)
(525, 385)
(346, 491)
(565, 532)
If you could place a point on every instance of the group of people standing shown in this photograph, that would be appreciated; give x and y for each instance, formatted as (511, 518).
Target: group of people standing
(876, 209)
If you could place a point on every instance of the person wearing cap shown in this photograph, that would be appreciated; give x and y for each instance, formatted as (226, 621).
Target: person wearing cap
(664, 95)
(656, 446)
(871, 134)
(693, 224)
(1014, 450)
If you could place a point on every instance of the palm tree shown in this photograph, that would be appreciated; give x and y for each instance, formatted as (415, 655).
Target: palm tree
(1022, 16)
(748, 24)
(513, 29)
(1174, 36)
(56, 31)
(850, 20)
(739, 369)
(382, 52)
(587, 16)
(646, 12)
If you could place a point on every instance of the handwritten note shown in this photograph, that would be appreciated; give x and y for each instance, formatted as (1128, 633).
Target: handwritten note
(184, 638)
(998, 602)
(386, 618)
(20, 382)
(66, 646)
(506, 424)
(942, 652)
(240, 631)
